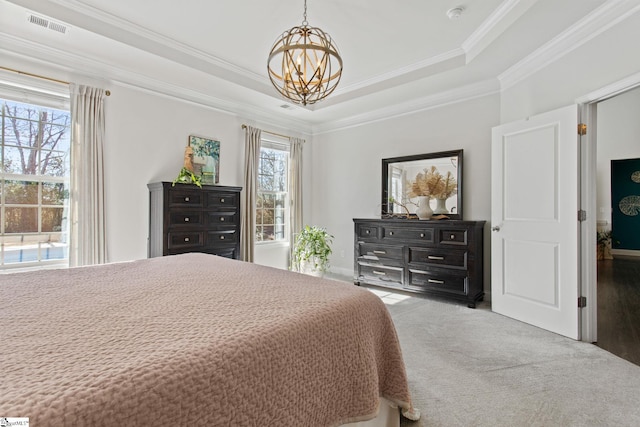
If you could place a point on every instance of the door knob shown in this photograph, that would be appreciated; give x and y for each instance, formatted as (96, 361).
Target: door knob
(496, 228)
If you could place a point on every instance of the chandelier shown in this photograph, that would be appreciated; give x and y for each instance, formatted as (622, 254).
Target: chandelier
(304, 64)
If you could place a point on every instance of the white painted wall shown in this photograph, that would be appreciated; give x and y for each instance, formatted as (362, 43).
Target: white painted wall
(145, 139)
(601, 61)
(347, 169)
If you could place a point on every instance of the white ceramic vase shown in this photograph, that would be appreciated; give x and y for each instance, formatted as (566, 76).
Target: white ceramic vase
(424, 210)
(441, 207)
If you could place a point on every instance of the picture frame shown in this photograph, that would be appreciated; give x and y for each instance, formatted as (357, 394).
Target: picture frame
(206, 158)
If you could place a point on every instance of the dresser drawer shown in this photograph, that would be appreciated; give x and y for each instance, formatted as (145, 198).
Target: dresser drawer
(372, 251)
(221, 199)
(381, 273)
(185, 239)
(221, 218)
(452, 237)
(185, 197)
(367, 231)
(436, 256)
(185, 218)
(437, 281)
(404, 233)
(218, 237)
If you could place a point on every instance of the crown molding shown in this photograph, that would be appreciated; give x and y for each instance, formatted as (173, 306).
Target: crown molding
(595, 23)
(475, 43)
(95, 20)
(401, 72)
(437, 100)
(87, 67)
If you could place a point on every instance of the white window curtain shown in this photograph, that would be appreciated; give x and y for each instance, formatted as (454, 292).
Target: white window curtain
(295, 187)
(248, 211)
(87, 243)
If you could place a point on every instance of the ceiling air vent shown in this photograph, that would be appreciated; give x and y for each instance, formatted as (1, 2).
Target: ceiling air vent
(47, 23)
(38, 21)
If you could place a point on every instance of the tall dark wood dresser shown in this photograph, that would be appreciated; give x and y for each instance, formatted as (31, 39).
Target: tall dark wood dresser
(441, 258)
(186, 218)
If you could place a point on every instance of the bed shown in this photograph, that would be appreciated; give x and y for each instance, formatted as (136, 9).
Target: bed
(195, 340)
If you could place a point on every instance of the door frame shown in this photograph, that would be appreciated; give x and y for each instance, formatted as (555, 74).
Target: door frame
(588, 276)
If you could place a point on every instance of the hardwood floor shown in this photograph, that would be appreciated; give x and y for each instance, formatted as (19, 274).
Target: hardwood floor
(619, 307)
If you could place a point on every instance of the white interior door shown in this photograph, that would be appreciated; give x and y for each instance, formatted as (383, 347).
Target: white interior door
(534, 215)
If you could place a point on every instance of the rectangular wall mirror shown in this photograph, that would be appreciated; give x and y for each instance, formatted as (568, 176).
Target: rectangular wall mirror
(400, 188)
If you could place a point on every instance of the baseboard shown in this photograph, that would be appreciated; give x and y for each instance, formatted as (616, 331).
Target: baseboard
(625, 252)
(342, 273)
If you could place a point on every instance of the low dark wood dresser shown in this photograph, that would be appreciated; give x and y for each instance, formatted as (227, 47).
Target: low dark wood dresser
(442, 258)
(185, 218)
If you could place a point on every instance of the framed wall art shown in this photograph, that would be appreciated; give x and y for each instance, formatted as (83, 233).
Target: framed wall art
(206, 158)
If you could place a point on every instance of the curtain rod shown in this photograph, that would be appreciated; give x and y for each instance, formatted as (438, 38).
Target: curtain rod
(270, 133)
(106, 92)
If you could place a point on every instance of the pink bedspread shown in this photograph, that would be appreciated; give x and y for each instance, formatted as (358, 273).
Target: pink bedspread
(193, 340)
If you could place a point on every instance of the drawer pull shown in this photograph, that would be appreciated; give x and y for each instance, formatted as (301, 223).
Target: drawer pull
(438, 282)
(221, 200)
(380, 252)
(221, 237)
(221, 219)
(186, 199)
(452, 237)
(186, 239)
(379, 273)
(421, 234)
(440, 258)
(391, 233)
(186, 219)
(368, 231)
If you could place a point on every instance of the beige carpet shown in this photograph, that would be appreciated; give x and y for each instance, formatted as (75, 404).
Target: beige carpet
(476, 368)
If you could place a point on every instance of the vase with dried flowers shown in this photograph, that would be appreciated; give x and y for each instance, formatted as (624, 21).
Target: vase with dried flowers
(450, 188)
(426, 186)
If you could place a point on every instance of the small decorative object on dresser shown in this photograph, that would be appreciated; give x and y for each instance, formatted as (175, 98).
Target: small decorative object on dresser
(442, 258)
(185, 218)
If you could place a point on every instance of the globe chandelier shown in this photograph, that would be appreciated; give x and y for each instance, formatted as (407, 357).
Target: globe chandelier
(304, 64)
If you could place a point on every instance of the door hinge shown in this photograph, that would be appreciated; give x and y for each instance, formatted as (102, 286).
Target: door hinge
(582, 302)
(582, 129)
(582, 215)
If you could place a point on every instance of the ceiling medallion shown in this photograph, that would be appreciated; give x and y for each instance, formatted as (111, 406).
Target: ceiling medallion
(304, 64)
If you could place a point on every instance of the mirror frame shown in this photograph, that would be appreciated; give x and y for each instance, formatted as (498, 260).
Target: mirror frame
(385, 213)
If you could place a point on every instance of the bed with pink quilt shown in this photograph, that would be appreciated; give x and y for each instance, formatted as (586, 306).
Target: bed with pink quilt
(194, 340)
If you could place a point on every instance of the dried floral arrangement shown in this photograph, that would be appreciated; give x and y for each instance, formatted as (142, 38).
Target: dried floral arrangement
(431, 183)
(450, 187)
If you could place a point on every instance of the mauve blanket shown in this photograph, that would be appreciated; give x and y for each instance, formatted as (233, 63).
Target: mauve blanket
(193, 340)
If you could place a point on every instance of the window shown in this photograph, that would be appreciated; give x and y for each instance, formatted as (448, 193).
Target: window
(34, 184)
(272, 198)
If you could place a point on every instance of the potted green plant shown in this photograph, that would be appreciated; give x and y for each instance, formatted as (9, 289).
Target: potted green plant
(311, 250)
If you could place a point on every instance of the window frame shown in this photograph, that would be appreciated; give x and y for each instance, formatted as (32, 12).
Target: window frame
(40, 95)
(274, 143)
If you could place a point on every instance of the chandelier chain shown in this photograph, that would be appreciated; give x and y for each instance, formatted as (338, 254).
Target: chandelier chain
(304, 21)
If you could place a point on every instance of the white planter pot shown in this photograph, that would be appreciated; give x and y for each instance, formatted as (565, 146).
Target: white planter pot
(308, 267)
